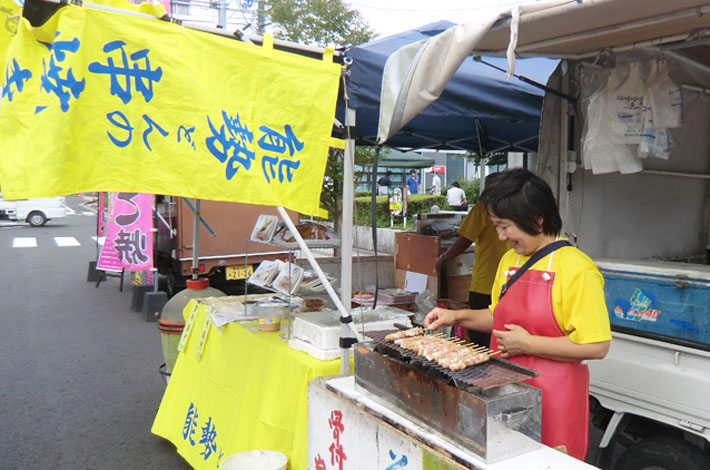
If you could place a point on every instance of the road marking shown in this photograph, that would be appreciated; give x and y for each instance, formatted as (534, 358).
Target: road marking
(88, 213)
(70, 211)
(100, 240)
(24, 242)
(10, 224)
(66, 241)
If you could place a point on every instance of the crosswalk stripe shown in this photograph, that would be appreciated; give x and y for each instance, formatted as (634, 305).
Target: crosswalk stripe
(88, 213)
(24, 242)
(70, 211)
(66, 241)
(100, 240)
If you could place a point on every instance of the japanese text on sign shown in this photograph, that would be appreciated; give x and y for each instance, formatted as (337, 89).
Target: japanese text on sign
(203, 436)
(337, 453)
(111, 109)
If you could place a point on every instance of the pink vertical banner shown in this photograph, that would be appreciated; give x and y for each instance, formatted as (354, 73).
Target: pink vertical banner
(129, 237)
(108, 258)
(131, 232)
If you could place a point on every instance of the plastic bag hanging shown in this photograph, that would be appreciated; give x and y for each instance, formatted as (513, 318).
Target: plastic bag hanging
(654, 139)
(627, 104)
(666, 97)
(601, 154)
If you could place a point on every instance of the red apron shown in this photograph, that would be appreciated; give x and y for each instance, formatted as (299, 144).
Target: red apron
(564, 385)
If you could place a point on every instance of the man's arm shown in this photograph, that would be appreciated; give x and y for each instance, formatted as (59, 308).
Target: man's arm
(460, 245)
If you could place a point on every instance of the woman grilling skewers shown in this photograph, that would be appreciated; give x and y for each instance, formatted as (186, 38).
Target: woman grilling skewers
(547, 309)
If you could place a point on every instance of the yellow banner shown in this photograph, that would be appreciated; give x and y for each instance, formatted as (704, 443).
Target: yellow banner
(99, 101)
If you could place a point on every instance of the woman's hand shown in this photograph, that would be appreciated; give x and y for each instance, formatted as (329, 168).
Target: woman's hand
(513, 342)
(438, 318)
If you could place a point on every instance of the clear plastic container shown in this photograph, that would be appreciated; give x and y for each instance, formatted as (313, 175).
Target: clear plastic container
(270, 312)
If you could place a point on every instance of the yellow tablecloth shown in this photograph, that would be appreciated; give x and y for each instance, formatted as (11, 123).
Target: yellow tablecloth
(248, 391)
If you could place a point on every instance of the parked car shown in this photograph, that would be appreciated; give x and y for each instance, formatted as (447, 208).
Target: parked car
(36, 212)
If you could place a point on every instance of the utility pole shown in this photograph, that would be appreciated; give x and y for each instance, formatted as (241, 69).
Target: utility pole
(222, 14)
(261, 17)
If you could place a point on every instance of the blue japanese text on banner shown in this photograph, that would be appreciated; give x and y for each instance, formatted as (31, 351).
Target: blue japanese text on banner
(99, 101)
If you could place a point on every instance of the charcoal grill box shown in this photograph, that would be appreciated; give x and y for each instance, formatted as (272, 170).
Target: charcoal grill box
(495, 424)
(660, 300)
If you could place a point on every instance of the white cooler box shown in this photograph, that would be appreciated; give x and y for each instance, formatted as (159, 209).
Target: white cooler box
(318, 333)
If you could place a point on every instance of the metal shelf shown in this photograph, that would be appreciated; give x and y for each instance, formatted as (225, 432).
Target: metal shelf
(294, 246)
(288, 297)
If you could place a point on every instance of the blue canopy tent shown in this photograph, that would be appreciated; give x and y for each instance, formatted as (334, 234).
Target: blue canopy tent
(479, 110)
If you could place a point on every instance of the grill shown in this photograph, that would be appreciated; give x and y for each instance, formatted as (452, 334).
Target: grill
(493, 373)
(484, 408)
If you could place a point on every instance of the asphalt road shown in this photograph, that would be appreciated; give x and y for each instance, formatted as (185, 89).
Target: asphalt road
(79, 381)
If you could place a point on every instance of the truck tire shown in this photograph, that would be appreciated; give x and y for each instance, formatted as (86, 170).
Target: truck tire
(174, 283)
(37, 218)
(663, 453)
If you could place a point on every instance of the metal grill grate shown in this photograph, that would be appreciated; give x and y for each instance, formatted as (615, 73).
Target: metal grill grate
(493, 373)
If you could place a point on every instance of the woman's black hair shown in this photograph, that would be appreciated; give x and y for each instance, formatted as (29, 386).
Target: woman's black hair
(455, 184)
(523, 197)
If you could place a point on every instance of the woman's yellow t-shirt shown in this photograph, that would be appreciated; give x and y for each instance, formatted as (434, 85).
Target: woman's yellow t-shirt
(577, 292)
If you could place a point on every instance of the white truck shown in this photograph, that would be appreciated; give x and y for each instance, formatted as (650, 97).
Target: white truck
(36, 212)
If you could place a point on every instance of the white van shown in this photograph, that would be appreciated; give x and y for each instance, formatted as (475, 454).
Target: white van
(34, 211)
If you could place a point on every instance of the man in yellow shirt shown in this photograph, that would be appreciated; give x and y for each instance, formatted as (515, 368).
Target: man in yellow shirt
(478, 228)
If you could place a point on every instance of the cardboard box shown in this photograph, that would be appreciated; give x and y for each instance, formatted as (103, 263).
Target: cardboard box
(458, 287)
(461, 265)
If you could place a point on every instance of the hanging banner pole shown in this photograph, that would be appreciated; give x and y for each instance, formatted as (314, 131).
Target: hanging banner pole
(196, 240)
(202, 219)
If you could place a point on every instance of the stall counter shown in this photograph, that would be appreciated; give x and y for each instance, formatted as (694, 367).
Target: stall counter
(349, 430)
(248, 390)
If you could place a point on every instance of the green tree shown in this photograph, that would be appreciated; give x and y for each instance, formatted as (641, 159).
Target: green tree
(324, 23)
(319, 22)
(498, 158)
(331, 197)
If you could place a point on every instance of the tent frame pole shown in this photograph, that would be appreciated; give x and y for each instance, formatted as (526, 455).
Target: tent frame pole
(346, 235)
(316, 267)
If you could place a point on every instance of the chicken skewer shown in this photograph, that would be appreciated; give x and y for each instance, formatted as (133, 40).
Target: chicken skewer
(447, 353)
(412, 332)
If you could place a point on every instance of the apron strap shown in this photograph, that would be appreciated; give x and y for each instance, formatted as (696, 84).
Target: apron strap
(541, 253)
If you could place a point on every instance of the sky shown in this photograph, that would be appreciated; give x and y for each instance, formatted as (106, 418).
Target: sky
(385, 17)
(389, 17)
